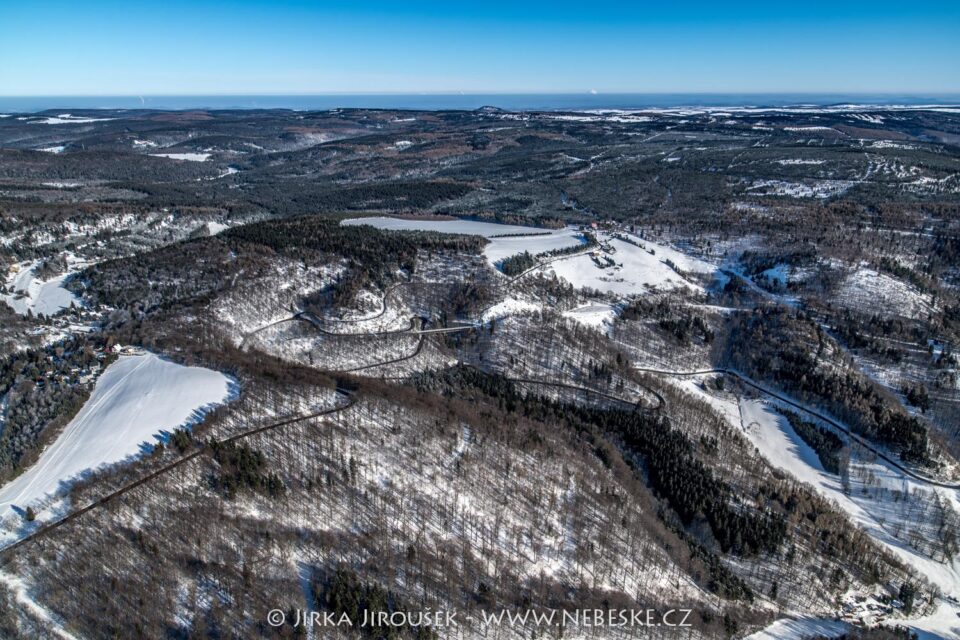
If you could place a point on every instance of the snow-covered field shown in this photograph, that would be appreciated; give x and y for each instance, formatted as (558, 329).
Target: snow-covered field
(46, 297)
(504, 241)
(593, 314)
(509, 307)
(878, 292)
(66, 118)
(192, 157)
(470, 227)
(500, 248)
(634, 270)
(136, 400)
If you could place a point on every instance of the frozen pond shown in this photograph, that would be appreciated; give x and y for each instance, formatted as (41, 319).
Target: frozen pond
(505, 240)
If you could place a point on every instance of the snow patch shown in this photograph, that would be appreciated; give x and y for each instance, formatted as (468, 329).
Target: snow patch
(191, 157)
(820, 189)
(46, 297)
(800, 629)
(599, 315)
(20, 593)
(216, 227)
(66, 118)
(798, 161)
(871, 290)
(508, 307)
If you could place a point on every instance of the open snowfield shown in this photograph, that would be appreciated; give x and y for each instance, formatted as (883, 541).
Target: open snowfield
(684, 262)
(135, 401)
(46, 297)
(509, 307)
(192, 157)
(66, 118)
(216, 227)
(500, 248)
(534, 239)
(469, 227)
(635, 271)
(880, 293)
(599, 315)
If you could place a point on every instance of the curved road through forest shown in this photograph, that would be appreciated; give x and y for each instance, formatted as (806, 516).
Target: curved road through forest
(744, 379)
(813, 412)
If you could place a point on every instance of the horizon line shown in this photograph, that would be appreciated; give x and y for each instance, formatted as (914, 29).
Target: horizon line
(596, 93)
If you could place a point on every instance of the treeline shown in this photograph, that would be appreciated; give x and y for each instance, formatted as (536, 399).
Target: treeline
(826, 444)
(41, 392)
(18, 164)
(881, 632)
(788, 349)
(896, 268)
(517, 264)
(589, 242)
(874, 333)
(363, 243)
(198, 269)
(285, 196)
(691, 488)
(756, 262)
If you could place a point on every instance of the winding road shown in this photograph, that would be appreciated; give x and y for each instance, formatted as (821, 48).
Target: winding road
(411, 330)
(813, 412)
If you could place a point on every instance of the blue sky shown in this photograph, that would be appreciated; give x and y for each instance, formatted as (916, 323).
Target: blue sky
(203, 47)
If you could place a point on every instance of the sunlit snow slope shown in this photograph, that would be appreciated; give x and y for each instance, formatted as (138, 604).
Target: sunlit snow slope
(136, 398)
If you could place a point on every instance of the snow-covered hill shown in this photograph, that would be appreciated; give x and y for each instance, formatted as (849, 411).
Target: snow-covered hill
(136, 400)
